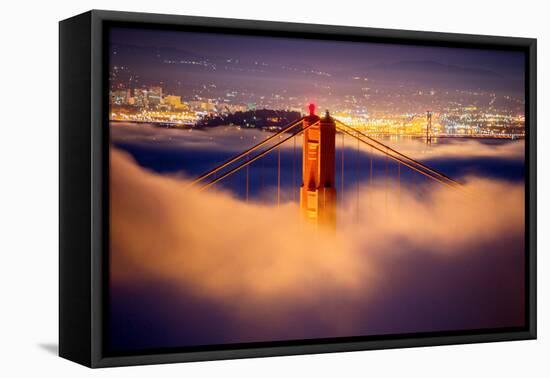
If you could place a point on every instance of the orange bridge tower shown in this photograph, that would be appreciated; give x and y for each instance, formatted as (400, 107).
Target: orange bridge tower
(318, 190)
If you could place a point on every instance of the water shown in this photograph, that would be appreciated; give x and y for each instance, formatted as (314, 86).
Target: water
(193, 152)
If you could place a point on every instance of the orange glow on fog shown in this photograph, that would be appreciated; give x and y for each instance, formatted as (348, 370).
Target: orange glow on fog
(226, 249)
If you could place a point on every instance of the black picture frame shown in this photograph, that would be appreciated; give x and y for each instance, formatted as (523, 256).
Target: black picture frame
(84, 187)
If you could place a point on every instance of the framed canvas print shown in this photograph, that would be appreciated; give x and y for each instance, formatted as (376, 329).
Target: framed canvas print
(233, 188)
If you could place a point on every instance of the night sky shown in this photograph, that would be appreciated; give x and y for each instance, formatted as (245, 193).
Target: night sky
(300, 66)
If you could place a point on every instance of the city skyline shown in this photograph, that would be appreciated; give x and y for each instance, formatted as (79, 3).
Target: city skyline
(199, 74)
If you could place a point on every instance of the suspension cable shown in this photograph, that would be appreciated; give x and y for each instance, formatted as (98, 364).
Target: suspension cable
(294, 172)
(405, 163)
(386, 180)
(247, 158)
(398, 182)
(256, 157)
(262, 177)
(371, 164)
(357, 156)
(424, 166)
(342, 170)
(246, 152)
(278, 175)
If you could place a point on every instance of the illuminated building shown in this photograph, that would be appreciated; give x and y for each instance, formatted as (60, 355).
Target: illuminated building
(205, 106)
(174, 102)
(154, 96)
(141, 99)
(120, 96)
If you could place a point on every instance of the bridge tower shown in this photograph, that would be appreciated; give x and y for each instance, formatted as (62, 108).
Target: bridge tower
(318, 190)
(428, 127)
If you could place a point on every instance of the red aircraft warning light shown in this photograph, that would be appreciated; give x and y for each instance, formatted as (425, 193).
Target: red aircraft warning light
(311, 107)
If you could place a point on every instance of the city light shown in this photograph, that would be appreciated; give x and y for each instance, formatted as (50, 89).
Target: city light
(154, 105)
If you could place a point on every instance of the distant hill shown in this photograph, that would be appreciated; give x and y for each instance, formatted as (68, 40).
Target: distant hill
(433, 74)
(253, 118)
(436, 68)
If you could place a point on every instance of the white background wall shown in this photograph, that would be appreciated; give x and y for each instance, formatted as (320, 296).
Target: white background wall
(29, 186)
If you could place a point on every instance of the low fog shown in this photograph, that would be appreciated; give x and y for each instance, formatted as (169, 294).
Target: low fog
(398, 262)
(229, 139)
